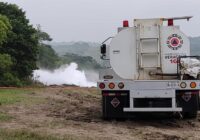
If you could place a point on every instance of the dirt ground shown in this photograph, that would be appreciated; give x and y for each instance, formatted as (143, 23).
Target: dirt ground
(76, 113)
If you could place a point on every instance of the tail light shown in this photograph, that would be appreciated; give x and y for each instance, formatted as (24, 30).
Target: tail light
(193, 85)
(121, 85)
(183, 85)
(102, 86)
(111, 85)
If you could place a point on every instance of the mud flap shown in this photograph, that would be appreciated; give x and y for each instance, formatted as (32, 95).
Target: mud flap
(113, 104)
(188, 100)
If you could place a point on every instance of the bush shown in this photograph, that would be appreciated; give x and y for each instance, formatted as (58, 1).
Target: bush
(8, 79)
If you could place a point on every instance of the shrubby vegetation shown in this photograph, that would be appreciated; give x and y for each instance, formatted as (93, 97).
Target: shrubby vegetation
(22, 49)
(21, 43)
(47, 57)
(85, 54)
(6, 61)
(19, 46)
(84, 62)
(78, 48)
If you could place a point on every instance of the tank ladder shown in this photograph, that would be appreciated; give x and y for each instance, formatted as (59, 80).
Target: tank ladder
(148, 46)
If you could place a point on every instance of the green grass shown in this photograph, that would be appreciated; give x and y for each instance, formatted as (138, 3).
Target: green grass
(5, 117)
(84, 92)
(24, 135)
(12, 96)
(28, 135)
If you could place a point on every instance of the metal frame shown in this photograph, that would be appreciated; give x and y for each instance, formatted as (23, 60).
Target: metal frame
(153, 94)
(152, 89)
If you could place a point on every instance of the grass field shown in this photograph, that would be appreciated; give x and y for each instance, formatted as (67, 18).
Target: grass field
(18, 97)
(74, 113)
(23, 135)
(12, 96)
(16, 102)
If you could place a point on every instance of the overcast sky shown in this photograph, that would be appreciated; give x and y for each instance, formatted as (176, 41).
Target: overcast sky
(95, 20)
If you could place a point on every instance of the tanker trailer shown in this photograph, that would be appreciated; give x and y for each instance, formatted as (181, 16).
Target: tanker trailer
(148, 68)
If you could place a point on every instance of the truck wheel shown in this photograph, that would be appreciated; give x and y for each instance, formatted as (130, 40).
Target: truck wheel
(193, 114)
(106, 118)
(190, 108)
(190, 115)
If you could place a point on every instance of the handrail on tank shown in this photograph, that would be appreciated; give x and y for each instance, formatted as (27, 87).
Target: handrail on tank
(107, 39)
(177, 18)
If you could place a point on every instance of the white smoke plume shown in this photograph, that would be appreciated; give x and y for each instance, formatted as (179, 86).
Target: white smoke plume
(67, 74)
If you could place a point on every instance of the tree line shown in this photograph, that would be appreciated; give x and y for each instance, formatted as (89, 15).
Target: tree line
(20, 43)
(22, 49)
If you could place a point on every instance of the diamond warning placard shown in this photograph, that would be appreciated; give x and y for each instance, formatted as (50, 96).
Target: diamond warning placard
(115, 102)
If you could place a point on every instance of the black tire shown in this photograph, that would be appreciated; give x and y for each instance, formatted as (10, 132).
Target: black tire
(106, 118)
(190, 115)
(191, 110)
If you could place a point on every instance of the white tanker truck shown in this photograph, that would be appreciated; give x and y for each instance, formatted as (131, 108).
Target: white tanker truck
(148, 68)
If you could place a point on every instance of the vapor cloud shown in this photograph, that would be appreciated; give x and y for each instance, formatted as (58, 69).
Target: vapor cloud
(67, 74)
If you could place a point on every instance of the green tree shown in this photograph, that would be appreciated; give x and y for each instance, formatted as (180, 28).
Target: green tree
(21, 43)
(47, 58)
(84, 62)
(6, 63)
(5, 27)
(42, 36)
(6, 77)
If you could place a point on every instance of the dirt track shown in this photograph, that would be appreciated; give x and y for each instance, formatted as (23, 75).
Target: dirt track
(76, 112)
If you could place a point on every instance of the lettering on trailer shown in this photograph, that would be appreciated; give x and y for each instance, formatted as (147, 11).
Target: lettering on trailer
(174, 41)
(115, 102)
(172, 57)
(116, 51)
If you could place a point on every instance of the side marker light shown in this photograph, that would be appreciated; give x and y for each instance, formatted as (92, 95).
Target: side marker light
(111, 85)
(193, 85)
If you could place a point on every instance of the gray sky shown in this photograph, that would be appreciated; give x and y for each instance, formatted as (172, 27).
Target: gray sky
(95, 20)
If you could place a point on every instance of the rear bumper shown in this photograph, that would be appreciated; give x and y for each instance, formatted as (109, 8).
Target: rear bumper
(149, 96)
(152, 109)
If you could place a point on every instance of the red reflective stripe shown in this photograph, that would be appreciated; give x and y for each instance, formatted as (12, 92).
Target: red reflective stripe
(195, 92)
(118, 94)
(105, 94)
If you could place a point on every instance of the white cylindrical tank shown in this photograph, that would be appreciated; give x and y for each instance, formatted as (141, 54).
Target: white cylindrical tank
(174, 43)
(125, 55)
